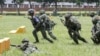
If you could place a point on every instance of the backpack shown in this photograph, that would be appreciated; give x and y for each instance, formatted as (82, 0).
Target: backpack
(75, 23)
(35, 20)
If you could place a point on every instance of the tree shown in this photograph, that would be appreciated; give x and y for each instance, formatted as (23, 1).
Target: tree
(97, 3)
(17, 5)
(44, 2)
(50, 1)
(55, 9)
(30, 3)
(2, 2)
(79, 3)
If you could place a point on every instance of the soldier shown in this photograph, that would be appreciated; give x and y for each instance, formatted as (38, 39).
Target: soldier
(48, 23)
(26, 47)
(95, 29)
(38, 26)
(73, 27)
(95, 18)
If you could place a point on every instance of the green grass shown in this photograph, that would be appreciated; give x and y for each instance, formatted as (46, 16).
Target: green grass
(62, 47)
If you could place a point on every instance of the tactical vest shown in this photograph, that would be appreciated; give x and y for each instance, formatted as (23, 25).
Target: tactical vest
(35, 21)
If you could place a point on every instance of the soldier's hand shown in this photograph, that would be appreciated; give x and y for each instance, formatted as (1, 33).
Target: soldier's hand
(18, 45)
(29, 17)
(61, 20)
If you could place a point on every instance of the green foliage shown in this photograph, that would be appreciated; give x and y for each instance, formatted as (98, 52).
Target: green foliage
(18, 1)
(2, 2)
(78, 2)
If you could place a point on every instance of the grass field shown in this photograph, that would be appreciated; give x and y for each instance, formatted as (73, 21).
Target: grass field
(61, 47)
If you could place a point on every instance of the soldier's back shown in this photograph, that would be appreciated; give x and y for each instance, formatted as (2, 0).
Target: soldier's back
(73, 19)
(43, 17)
(74, 23)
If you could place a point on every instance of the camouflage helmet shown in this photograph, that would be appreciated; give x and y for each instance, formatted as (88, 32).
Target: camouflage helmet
(68, 15)
(42, 12)
(31, 12)
(92, 14)
(25, 40)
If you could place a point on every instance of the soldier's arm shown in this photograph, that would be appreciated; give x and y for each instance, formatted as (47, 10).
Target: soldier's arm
(62, 21)
(93, 30)
(97, 27)
(37, 26)
(29, 17)
(41, 19)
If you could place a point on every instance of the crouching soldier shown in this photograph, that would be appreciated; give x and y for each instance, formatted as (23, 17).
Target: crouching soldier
(96, 28)
(73, 27)
(38, 26)
(26, 47)
(48, 23)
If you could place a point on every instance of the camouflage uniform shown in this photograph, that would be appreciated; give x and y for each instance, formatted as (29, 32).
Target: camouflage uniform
(30, 49)
(38, 26)
(96, 28)
(48, 24)
(95, 19)
(26, 47)
(73, 27)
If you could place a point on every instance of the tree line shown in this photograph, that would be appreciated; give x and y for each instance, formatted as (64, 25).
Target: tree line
(19, 2)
